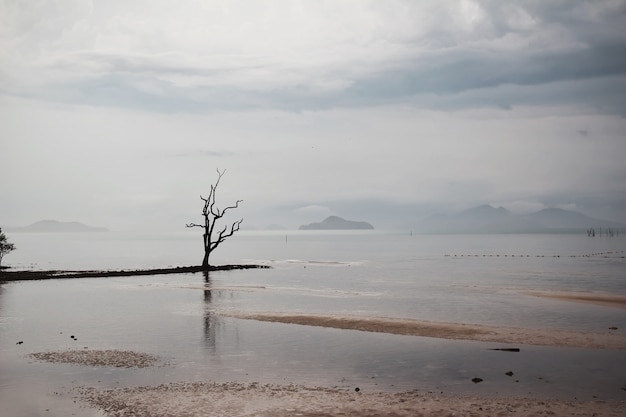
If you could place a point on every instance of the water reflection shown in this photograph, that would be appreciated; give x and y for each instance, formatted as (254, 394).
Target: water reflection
(1, 302)
(211, 321)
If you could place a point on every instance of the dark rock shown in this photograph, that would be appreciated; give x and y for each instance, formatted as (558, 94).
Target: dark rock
(477, 380)
(507, 349)
(510, 373)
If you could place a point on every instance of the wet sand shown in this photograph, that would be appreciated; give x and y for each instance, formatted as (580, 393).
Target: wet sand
(497, 334)
(191, 399)
(99, 358)
(618, 301)
(235, 399)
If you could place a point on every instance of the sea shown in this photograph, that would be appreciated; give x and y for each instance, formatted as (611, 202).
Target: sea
(473, 279)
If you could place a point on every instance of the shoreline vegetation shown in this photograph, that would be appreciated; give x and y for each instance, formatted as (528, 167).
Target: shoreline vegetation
(22, 275)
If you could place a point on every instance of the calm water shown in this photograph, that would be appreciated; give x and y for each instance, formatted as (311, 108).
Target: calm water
(467, 279)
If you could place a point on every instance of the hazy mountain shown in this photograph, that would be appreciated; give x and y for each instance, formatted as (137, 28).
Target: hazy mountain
(54, 226)
(564, 219)
(488, 219)
(337, 223)
(397, 215)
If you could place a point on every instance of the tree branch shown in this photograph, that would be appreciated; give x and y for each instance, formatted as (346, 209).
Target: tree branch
(222, 235)
(221, 214)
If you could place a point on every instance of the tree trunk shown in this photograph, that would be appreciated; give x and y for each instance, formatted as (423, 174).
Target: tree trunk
(207, 250)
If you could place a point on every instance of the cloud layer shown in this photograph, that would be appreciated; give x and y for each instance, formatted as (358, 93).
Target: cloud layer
(198, 56)
(117, 113)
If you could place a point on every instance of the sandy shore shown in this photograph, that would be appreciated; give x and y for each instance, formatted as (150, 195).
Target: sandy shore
(611, 339)
(234, 399)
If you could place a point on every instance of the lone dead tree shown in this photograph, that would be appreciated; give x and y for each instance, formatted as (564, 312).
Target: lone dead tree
(212, 238)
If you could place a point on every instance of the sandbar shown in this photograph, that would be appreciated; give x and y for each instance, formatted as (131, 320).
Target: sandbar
(478, 332)
(618, 301)
(7, 274)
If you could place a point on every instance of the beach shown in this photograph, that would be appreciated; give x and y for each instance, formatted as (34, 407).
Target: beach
(191, 399)
(336, 326)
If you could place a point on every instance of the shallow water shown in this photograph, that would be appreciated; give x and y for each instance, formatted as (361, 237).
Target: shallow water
(177, 317)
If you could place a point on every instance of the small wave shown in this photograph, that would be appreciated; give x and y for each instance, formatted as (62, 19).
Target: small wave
(316, 262)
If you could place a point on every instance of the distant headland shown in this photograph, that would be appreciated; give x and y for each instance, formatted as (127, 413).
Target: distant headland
(337, 223)
(54, 226)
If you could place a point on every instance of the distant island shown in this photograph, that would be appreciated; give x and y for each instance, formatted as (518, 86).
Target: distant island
(337, 223)
(54, 226)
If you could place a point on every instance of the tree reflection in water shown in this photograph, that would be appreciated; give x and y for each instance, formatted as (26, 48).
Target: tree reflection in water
(211, 321)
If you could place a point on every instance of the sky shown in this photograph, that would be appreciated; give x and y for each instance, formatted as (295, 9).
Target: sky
(118, 113)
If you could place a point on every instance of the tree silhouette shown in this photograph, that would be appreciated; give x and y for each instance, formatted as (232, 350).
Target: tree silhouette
(5, 246)
(212, 237)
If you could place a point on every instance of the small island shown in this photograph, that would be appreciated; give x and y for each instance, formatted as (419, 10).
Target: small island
(337, 223)
(54, 226)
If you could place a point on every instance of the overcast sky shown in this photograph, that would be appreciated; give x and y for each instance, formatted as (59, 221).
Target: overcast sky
(117, 113)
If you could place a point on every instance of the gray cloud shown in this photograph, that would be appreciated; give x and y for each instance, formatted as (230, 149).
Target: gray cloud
(381, 111)
(526, 44)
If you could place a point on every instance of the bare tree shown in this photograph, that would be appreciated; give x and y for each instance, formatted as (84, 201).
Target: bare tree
(212, 237)
(5, 246)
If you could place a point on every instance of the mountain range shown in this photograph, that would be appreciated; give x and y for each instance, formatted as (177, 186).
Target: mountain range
(489, 219)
